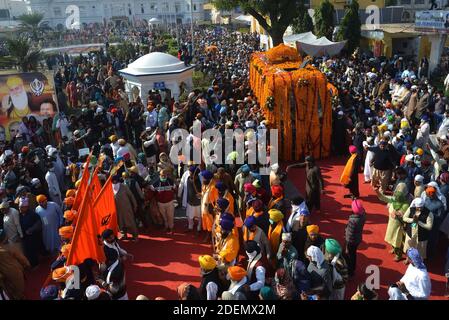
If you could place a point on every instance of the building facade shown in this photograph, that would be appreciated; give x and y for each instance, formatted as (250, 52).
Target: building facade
(131, 12)
(10, 10)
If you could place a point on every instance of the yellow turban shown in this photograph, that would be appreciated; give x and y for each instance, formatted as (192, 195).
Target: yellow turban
(41, 198)
(66, 249)
(382, 127)
(66, 232)
(14, 81)
(70, 193)
(236, 273)
(69, 201)
(61, 274)
(134, 169)
(69, 215)
(275, 215)
(122, 142)
(207, 262)
(419, 151)
(77, 184)
(313, 228)
(113, 138)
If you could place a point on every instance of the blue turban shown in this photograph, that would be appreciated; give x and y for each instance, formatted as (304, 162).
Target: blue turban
(192, 169)
(49, 292)
(223, 203)
(220, 186)
(245, 168)
(425, 117)
(256, 176)
(250, 200)
(207, 174)
(250, 221)
(227, 222)
(415, 258)
(223, 110)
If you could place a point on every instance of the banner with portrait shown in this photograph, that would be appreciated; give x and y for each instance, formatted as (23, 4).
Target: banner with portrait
(29, 95)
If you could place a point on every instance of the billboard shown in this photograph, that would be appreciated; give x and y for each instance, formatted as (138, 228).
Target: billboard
(25, 95)
(434, 20)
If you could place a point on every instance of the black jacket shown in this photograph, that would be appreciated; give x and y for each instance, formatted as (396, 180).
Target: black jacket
(354, 229)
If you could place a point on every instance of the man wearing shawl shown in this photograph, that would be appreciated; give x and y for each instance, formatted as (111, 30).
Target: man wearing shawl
(238, 278)
(227, 246)
(313, 238)
(52, 218)
(383, 163)
(252, 232)
(354, 234)
(320, 272)
(314, 182)
(240, 180)
(350, 176)
(339, 268)
(419, 222)
(261, 216)
(225, 194)
(415, 284)
(436, 203)
(284, 287)
(278, 201)
(208, 197)
(275, 231)
(210, 287)
(287, 253)
(397, 206)
(190, 190)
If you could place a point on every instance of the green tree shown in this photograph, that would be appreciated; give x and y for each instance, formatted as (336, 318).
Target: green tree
(273, 15)
(304, 22)
(324, 20)
(351, 27)
(31, 22)
(22, 55)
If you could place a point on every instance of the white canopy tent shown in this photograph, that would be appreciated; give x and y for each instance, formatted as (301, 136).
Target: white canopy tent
(243, 18)
(313, 46)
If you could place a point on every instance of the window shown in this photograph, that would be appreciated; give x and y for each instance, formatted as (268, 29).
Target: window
(177, 7)
(419, 1)
(129, 9)
(406, 1)
(194, 7)
(4, 14)
(142, 9)
(57, 12)
(82, 9)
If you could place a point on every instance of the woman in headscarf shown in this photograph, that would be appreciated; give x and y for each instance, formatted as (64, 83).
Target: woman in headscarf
(419, 222)
(397, 205)
(350, 176)
(320, 272)
(165, 164)
(415, 284)
(283, 286)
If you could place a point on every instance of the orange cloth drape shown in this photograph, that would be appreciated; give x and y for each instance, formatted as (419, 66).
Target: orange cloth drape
(274, 236)
(82, 187)
(105, 209)
(346, 175)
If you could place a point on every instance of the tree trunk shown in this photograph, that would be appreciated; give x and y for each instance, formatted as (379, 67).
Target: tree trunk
(277, 35)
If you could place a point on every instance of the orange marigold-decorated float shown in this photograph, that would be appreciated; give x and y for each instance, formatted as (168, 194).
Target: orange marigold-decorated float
(296, 99)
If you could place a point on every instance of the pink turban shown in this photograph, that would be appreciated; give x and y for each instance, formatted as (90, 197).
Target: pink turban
(357, 207)
(352, 149)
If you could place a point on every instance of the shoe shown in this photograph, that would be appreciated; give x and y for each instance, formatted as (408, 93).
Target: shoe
(397, 258)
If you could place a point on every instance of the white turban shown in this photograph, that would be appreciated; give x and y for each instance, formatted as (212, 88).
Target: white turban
(93, 292)
(417, 203)
(316, 255)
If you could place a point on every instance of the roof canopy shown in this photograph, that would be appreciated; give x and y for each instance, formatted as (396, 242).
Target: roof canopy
(314, 46)
(155, 63)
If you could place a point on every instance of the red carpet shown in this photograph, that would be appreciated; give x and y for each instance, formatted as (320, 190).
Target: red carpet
(162, 263)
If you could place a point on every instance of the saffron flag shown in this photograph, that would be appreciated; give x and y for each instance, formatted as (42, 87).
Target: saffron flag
(95, 184)
(105, 210)
(82, 187)
(86, 241)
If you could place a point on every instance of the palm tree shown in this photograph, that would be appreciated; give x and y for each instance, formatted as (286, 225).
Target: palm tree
(31, 22)
(22, 55)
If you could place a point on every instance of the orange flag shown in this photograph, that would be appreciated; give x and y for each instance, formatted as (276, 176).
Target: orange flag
(82, 187)
(86, 242)
(95, 184)
(105, 210)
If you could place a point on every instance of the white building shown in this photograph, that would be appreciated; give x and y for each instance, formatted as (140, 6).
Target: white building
(10, 10)
(119, 12)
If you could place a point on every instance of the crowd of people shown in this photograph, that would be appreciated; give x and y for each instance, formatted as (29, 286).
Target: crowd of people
(387, 115)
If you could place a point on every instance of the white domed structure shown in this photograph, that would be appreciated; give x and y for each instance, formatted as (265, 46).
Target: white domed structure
(158, 71)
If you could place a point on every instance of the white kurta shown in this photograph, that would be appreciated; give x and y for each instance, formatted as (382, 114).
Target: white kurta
(53, 187)
(368, 170)
(417, 282)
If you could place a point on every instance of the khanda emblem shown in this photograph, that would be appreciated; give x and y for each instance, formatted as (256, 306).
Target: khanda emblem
(37, 87)
(105, 220)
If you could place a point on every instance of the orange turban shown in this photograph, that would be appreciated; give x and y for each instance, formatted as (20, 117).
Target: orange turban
(66, 249)
(61, 274)
(70, 215)
(66, 232)
(313, 228)
(69, 201)
(236, 273)
(70, 193)
(430, 191)
(41, 198)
